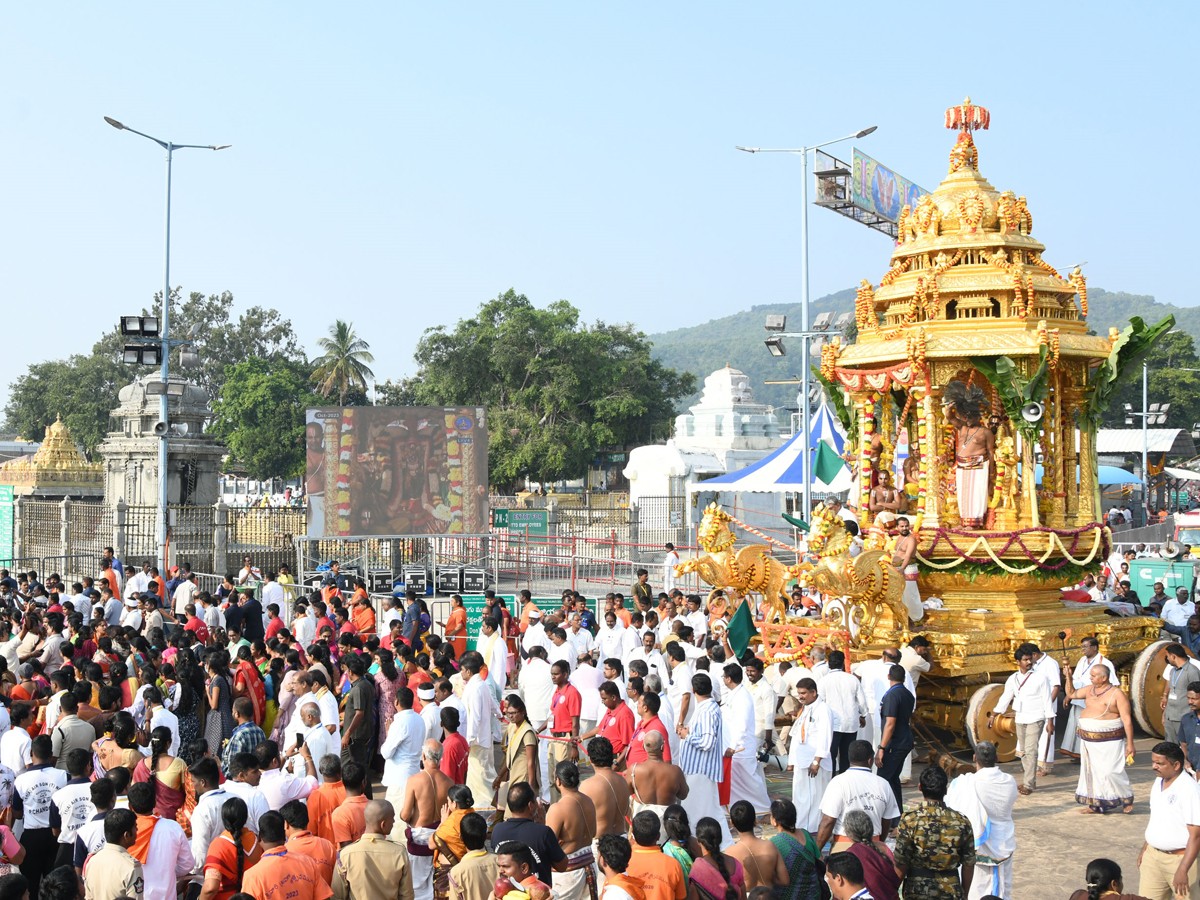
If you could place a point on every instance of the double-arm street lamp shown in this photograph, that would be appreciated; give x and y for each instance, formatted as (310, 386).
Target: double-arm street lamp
(805, 333)
(163, 338)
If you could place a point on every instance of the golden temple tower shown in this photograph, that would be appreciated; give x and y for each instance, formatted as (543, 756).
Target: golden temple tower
(979, 348)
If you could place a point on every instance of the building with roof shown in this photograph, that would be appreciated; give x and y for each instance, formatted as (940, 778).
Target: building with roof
(56, 470)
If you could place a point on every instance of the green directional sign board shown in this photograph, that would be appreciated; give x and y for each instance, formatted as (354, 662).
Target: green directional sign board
(533, 522)
(6, 523)
(473, 603)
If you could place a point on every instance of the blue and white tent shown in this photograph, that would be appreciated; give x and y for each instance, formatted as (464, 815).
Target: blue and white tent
(785, 470)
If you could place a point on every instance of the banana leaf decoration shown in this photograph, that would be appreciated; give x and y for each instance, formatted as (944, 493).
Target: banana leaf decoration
(837, 400)
(1128, 350)
(1013, 389)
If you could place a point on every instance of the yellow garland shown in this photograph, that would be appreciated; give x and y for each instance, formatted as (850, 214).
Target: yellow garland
(1016, 570)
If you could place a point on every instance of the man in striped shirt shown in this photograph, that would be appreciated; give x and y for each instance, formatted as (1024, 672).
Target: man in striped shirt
(700, 757)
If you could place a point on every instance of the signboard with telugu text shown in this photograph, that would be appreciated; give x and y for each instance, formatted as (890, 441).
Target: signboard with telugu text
(473, 603)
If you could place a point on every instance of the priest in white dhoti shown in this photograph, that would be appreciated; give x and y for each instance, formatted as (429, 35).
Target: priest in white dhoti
(495, 656)
(747, 781)
(974, 445)
(1081, 678)
(1105, 745)
(808, 756)
(986, 797)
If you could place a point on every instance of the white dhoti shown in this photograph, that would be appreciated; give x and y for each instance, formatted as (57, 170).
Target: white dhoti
(995, 838)
(747, 782)
(481, 773)
(637, 806)
(702, 800)
(1070, 735)
(1103, 784)
(807, 792)
(420, 861)
(544, 764)
(992, 878)
(1046, 751)
(579, 881)
(912, 594)
(971, 481)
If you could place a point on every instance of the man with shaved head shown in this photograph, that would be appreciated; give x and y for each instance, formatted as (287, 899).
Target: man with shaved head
(374, 867)
(420, 814)
(654, 783)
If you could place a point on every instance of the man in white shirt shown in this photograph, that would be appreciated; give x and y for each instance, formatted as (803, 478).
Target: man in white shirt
(582, 642)
(536, 688)
(856, 788)
(765, 704)
(314, 736)
(249, 572)
(587, 680)
(431, 712)
(279, 785)
(158, 715)
(670, 561)
(1168, 858)
(72, 803)
(1178, 609)
(36, 786)
(139, 581)
(212, 614)
(206, 816)
(401, 749)
(272, 592)
(611, 638)
(304, 626)
(695, 618)
(244, 778)
(986, 797)
(327, 702)
(1028, 691)
(560, 648)
(479, 710)
(847, 702)
(737, 716)
(535, 635)
(874, 675)
(679, 690)
(168, 857)
(15, 742)
(808, 755)
(185, 593)
(1053, 672)
(648, 653)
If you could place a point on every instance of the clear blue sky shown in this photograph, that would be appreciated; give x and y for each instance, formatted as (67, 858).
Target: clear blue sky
(396, 164)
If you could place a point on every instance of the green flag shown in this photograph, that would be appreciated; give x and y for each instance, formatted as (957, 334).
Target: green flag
(794, 522)
(741, 629)
(827, 464)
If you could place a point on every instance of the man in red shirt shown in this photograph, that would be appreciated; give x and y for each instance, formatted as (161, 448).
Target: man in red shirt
(195, 624)
(648, 706)
(565, 706)
(454, 747)
(616, 721)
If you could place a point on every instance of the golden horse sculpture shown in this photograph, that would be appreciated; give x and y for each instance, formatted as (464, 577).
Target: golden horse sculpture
(745, 570)
(868, 581)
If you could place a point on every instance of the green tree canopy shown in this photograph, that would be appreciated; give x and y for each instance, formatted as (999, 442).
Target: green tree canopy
(1169, 382)
(260, 415)
(556, 391)
(83, 388)
(342, 368)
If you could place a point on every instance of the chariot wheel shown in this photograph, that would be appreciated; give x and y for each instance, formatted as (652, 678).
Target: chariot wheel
(1147, 684)
(1001, 732)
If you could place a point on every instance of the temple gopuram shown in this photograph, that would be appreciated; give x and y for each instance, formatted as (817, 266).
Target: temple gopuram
(55, 471)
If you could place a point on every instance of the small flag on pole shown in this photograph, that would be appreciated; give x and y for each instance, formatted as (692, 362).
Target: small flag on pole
(827, 463)
(741, 628)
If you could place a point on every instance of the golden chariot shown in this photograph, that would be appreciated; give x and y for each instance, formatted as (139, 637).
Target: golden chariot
(969, 316)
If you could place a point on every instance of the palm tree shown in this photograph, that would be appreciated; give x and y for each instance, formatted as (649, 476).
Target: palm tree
(343, 365)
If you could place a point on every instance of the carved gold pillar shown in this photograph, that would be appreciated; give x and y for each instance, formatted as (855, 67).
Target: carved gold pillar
(1052, 451)
(864, 408)
(1089, 488)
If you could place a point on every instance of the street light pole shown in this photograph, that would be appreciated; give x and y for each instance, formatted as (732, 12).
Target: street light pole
(805, 375)
(164, 336)
(1145, 438)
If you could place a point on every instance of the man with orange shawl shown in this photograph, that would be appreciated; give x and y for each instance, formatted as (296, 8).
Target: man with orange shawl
(615, 854)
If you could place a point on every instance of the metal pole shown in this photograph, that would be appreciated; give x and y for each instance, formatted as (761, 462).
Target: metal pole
(164, 375)
(1145, 438)
(804, 326)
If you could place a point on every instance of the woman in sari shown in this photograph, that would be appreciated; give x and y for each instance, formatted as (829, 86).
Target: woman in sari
(520, 747)
(800, 853)
(248, 683)
(447, 843)
(118, 748)
(879, 874)
(680, 845)
(164, 772)
(187, 698)
(456, 626)
(715, 875)
(285, 698)
(272, 678)
(118, 674)
(219, 725)
(388, 680)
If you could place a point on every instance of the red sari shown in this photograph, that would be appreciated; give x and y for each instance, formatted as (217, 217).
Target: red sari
(248, 683)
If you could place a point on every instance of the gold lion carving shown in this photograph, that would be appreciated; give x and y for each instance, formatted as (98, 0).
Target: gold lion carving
(928, 216)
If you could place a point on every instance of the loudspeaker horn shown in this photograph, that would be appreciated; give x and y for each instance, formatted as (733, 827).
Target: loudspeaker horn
(160, 428)
(1033, 412)
(1172, 550)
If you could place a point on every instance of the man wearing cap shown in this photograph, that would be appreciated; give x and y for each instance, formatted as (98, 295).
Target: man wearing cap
(430, 711)
(132, 616)
(535, 634)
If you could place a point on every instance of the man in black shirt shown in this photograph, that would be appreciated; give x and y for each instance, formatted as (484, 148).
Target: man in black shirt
(521, 826)
(896, 738)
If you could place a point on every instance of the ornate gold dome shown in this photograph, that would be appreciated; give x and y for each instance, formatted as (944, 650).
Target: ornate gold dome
(966, 254)
(57, 464)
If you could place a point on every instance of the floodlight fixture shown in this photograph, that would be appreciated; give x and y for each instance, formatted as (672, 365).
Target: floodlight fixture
(776, 322)
(775, 346)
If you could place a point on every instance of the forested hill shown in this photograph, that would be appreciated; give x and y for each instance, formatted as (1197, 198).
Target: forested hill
(738, 339)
